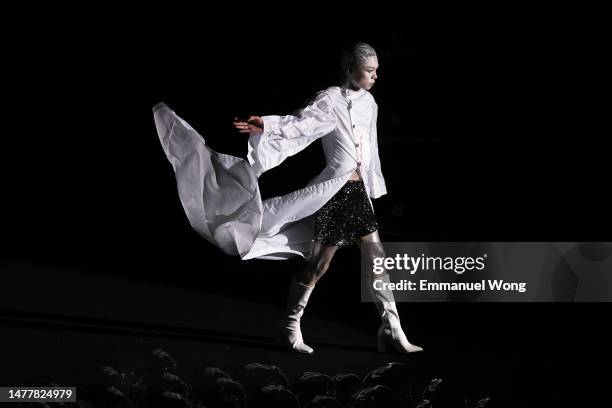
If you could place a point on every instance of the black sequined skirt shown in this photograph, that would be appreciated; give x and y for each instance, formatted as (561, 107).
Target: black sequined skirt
(347, 216)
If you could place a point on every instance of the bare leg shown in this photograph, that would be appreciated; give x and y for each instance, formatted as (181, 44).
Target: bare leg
(391, 329)
(317, 265)
(373, 249)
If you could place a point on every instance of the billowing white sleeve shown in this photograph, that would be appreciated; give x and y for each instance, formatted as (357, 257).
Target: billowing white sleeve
(284, 136)
(378, 185)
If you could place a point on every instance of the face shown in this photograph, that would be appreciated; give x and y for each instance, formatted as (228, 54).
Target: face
(365, 76)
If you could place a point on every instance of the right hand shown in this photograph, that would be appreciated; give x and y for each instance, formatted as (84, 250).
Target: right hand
(253, 125)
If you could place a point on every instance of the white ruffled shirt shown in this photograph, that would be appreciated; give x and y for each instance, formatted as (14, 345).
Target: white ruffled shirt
(345, 120)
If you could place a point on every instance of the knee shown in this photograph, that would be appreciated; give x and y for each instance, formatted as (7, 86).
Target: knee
(376, 252)
(319, 267)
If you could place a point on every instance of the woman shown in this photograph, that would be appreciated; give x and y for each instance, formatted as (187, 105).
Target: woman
(221, 196)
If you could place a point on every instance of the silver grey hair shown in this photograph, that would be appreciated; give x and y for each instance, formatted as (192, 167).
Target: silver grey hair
(355, 56)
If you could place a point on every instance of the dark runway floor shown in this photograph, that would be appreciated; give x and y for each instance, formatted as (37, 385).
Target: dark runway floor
(56, 321)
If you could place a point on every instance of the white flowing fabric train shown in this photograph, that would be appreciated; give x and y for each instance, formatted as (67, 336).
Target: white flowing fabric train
(220, 193)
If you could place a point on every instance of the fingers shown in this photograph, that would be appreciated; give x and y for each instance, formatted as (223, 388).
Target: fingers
(240, 125)
(247, 126)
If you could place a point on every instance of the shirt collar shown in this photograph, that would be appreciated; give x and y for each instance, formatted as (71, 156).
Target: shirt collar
(349, 93)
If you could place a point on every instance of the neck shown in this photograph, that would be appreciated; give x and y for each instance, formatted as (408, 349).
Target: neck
(351, 86)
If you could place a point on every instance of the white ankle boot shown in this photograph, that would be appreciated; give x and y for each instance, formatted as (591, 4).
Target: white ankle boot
(390, 331)
(291, 334)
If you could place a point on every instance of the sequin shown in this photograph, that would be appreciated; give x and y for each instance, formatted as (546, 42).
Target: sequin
(347, 216)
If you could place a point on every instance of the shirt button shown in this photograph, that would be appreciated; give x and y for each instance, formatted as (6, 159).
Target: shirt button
(356, 144)
(359, 163)
(353, 126)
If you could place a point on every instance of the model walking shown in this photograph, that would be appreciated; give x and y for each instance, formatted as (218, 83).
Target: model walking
(221, 197)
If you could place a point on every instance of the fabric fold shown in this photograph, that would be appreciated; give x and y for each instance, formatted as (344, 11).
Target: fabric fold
(220, 193)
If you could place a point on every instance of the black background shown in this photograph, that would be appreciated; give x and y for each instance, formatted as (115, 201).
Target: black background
(482, 133)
